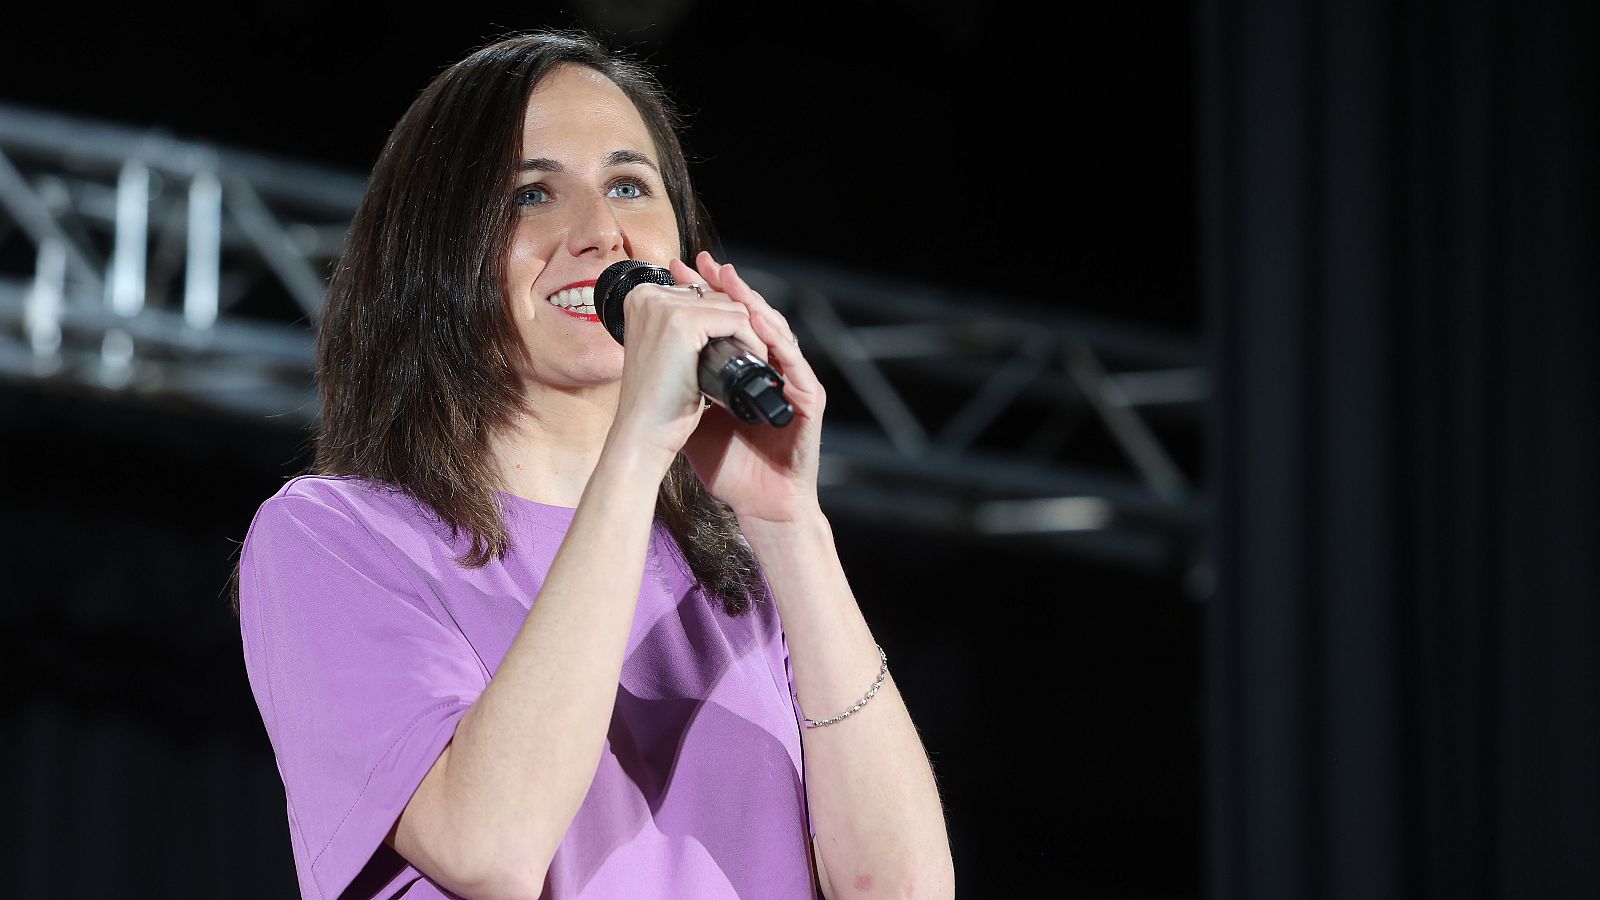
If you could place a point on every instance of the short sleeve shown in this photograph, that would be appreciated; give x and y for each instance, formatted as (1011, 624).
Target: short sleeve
(359, 684)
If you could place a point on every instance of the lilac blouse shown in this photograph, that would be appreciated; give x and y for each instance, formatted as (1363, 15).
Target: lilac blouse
(364, 643)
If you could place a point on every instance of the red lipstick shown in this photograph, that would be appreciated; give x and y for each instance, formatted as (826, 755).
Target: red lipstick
(587, 283)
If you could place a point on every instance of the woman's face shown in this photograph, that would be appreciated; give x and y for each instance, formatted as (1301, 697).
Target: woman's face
(588, 192)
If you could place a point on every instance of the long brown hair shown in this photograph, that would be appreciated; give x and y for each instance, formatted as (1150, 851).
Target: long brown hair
(416, 349)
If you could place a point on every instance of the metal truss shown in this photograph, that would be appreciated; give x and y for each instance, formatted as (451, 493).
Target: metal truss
(171, 271)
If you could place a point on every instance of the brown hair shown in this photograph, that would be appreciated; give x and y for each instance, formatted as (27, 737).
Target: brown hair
(416, 348)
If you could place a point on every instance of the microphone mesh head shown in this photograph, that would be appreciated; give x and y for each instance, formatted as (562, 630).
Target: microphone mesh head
(613, 285)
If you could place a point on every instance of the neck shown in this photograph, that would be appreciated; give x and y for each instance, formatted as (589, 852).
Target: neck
(549, 452)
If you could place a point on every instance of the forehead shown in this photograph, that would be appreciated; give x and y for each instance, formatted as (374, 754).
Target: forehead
(575, 106)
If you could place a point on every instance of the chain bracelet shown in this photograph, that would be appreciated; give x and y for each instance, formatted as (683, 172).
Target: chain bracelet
(882, 673)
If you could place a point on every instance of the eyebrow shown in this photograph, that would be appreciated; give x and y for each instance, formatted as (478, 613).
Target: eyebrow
(614, 158)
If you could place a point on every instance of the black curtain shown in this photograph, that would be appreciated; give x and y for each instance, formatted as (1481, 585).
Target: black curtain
(1399, 225)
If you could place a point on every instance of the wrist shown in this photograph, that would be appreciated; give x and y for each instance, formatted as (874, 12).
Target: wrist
(631, 463)
(806, 524)
(624, 452)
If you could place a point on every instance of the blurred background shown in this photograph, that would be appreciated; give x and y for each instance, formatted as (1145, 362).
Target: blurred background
(1211, 438)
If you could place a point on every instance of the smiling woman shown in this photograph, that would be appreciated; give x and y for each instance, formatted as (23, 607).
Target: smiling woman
(521, 631)
(577, 298)
(592, 188)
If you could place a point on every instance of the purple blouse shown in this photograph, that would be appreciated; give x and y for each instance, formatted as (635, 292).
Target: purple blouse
(364, 643)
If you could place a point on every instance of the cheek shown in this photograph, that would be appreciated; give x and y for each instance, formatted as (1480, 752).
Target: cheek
(650, 233)
(668, 228)
(524, 264)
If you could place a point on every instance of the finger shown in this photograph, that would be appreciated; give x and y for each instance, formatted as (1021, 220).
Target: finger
(718, 315)
(796, 369)
(736, 287)
(752, 341)
(778, 334)
(783, 349)
(724, 278)
(706, 298)
(736, 324)
(709, 268)
(681, 273)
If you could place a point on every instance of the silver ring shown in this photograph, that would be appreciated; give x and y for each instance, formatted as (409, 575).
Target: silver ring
(699, 289)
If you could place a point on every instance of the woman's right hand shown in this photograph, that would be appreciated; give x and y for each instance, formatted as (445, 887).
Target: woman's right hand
(660, 403)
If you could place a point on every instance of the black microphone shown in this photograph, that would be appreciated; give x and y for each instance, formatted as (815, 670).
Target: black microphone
(729, 374)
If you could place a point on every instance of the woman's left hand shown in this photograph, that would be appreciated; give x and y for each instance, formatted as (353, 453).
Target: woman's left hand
(767, 474)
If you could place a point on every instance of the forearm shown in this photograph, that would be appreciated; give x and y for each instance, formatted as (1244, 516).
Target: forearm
(525, 754)
(880, 826)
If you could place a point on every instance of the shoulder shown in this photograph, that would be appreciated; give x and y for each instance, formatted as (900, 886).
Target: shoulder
(352, 493)
(335, 498)
(348, 512)
(336, 533)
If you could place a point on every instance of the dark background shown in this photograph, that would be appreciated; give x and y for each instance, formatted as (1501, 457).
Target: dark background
(1037, 159)
(1378, 217)
(961, 144)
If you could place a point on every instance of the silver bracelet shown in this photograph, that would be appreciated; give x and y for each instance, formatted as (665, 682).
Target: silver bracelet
(882, 673)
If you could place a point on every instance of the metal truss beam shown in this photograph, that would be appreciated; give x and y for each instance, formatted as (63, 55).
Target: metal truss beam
(173, 271)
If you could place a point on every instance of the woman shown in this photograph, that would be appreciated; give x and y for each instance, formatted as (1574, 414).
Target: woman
(520, 634)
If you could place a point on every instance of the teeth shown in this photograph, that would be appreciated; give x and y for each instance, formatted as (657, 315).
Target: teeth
(575, 299)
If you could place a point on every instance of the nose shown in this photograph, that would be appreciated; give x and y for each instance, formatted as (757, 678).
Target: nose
(595, 229)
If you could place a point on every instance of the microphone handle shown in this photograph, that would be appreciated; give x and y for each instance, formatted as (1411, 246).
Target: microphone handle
(738, 381)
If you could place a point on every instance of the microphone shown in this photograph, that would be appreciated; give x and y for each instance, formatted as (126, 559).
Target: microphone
(729, 374)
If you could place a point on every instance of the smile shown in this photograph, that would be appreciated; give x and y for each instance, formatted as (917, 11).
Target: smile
(576, 300)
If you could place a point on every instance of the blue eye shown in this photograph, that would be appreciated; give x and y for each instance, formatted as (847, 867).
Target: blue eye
(532, 195)
(639, 190)
(624, 189)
